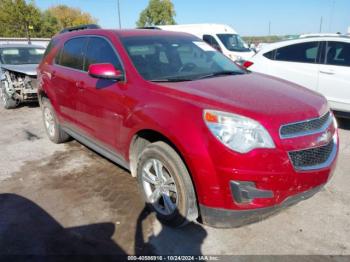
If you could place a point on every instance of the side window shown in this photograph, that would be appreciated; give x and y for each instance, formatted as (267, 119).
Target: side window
(338, 53)
(211, 41)
(100, 51)
(72, 54)
(270, 55)
(51, 45)
(57, 58)
(302, 53)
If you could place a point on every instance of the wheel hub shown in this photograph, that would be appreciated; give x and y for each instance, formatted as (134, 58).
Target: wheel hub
(159, 187)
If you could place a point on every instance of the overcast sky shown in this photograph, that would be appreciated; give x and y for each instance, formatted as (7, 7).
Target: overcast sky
(248, 17)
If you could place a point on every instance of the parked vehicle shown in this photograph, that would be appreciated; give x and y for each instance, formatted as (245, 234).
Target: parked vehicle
(203, 136)
(18, 63)
(222, 37)
(321, 35)
(321, 64)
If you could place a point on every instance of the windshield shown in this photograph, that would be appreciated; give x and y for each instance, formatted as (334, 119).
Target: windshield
(21, 55)
(176, 58)
(233, 43)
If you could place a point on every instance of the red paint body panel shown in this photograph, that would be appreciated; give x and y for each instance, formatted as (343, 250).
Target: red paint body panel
(113, 113)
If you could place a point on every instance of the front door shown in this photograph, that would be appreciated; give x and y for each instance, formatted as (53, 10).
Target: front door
(101, 102)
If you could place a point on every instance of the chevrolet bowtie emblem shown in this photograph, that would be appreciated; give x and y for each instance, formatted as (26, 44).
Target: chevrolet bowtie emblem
(325, 137)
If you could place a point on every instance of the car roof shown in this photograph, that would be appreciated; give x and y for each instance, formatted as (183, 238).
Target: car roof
(149, 32)
(123, 33)
(20, 46)
(284, 43)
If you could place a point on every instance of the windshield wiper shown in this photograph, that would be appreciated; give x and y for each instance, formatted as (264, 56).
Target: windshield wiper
(221, 73)
(172, 80)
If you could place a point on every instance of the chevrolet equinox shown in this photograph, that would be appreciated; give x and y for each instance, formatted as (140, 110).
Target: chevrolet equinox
(204, 137)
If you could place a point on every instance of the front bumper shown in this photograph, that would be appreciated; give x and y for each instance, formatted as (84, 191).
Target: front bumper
(224, 218)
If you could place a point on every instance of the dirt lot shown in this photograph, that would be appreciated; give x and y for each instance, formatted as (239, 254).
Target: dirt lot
(66, 199)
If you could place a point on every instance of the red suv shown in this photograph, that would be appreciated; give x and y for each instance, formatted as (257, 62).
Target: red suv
(204, 137)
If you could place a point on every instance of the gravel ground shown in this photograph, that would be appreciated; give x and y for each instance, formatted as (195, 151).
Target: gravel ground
(66, 199)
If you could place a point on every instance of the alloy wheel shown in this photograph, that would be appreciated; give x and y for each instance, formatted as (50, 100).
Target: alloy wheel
(159, 187)
(49, 122)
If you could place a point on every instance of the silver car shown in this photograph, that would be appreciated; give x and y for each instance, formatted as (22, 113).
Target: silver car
(18, 63)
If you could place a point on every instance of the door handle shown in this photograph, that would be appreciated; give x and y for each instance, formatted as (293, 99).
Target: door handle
(327, 72)
(79, 84)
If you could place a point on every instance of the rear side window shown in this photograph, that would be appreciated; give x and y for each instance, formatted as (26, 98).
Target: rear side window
(100, 51)
(302, 53)
(270, 55)
(338, 53)
(72, 54)
(53, 43)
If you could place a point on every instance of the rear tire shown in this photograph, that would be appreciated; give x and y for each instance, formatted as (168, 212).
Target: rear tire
(166, 185)
(51, 124)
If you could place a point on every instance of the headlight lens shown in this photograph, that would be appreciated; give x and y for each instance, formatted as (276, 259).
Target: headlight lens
(238, 133)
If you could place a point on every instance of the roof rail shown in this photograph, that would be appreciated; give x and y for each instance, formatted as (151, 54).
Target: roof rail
(149, 27)
(79, 27)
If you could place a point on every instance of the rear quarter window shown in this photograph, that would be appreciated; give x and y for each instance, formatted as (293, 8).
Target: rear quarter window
(53, 43)
(270, 55)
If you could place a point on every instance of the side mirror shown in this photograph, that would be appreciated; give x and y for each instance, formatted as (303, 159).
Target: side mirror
(105, 71)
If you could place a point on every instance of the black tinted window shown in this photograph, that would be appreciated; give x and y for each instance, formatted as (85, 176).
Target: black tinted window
(73, 53)
(270, 55)
(302, 53)
(100, 51)
(338, 53)
(211, 41)
(50, 46)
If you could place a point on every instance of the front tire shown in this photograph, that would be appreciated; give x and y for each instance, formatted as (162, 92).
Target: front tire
(51, 124)
(6, 101)
(166, 185)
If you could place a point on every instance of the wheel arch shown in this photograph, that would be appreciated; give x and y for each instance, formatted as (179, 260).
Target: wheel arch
(144, 137)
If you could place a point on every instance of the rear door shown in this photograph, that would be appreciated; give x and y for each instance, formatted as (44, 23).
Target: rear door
(298, 63)
(67, 72)
(101, 102)
(334, 79)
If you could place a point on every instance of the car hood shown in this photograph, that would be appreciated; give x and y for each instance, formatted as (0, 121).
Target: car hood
(264, 98)
(29, 69)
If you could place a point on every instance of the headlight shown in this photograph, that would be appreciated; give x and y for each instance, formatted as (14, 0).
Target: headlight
(238, 133)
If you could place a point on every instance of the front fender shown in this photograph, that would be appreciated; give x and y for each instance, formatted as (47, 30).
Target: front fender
(187, 132)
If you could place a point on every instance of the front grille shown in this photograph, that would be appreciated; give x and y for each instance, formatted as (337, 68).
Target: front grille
(314, 158)
(311, 126)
